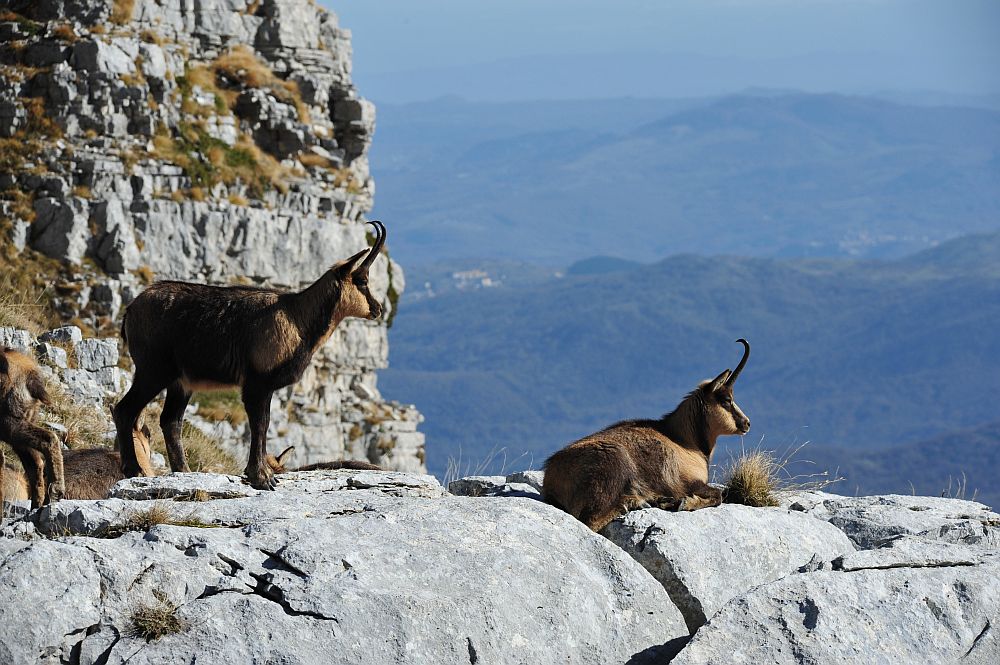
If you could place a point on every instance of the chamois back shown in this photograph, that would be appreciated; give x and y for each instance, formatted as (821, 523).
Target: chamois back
(277, 464)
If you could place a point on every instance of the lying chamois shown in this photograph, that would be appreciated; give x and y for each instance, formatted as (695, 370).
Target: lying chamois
(22, 390)
(186, 337)
(277, 464)
(639, 463)
(89, 473)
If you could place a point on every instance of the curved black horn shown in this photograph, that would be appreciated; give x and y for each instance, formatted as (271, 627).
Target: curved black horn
(376, 248)
(743, 362)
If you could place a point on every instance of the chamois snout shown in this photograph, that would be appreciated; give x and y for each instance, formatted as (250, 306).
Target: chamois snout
(743, 424)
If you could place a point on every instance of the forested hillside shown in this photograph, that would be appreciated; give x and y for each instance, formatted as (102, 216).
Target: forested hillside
(855, 354)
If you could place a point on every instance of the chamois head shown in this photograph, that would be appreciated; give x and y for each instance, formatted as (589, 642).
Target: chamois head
(356, 299)
(724, 416)
(277, 464)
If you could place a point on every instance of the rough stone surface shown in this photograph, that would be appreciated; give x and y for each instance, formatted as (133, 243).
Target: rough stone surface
(870, 520)
(19, 340)
(706, 557)
(346, 567)
(934, 615)
(519, 484)
(96, 354)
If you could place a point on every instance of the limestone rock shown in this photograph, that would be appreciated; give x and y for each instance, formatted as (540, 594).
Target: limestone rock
(534, 478)
(476, 485)
(347, 567)
(96, 354)
(934, 615)
(706, 557)
(870, 520)
(63, 335)
(514, 485)
(19, 340)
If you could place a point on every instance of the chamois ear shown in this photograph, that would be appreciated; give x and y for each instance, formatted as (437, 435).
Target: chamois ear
(346, 267)
(4, 365)
(718, 381)
(285, 453)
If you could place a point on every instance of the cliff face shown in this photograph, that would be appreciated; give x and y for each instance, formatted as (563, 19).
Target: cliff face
(219, 141)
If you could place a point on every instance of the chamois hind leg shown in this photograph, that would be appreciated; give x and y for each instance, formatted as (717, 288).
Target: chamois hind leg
(258, 406)
(45, 451)
(145, 386)
(597, 518)
(172, 421)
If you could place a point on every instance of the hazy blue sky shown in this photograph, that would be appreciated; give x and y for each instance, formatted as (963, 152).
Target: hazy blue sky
(412, 48)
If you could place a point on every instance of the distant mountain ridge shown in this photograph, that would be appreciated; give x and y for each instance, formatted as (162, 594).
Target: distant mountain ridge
(855, 354)
(776, 174)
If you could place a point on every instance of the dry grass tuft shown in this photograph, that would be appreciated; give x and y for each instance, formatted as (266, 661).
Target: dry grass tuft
(241, 66)
(314, 160)
(151, 37)
(140, 520)
(157, 514)
(65, 32)
(753, 479)
(86, 426)
(219, 405)
(208, 161)
(121, 11)
(759, 477)
(495, 462)
(153, 621)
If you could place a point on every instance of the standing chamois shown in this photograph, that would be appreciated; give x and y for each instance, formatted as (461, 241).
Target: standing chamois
(643, 463)
(22, 390)
(186, 337)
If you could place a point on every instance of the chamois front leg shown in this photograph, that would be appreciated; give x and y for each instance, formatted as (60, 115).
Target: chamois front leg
(258, 407)
(45, 452)
(33, 465)
(145, 386)
(702, 495)
(172, 422)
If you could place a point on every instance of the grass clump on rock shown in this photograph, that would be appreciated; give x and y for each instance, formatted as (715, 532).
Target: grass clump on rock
(157, 514)
(753, 479)
(759, 477)
(154, 620)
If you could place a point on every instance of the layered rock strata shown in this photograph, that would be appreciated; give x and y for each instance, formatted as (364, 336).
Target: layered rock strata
(218, 141)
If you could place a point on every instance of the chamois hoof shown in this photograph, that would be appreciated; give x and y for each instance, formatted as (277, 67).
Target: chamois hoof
(263, 479)
(131, 470)
(54, 493)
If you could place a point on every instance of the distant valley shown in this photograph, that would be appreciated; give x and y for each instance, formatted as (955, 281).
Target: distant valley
(884, 366)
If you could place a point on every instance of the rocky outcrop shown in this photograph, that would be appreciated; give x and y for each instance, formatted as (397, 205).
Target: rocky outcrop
(705, 558)
(365, 566)
(346, 567)
(943, 614)
(220, 141)
(86, 369)
(822, 578)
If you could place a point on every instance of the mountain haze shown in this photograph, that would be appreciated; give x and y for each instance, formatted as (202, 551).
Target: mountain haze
(859, 354)
(767, 174)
